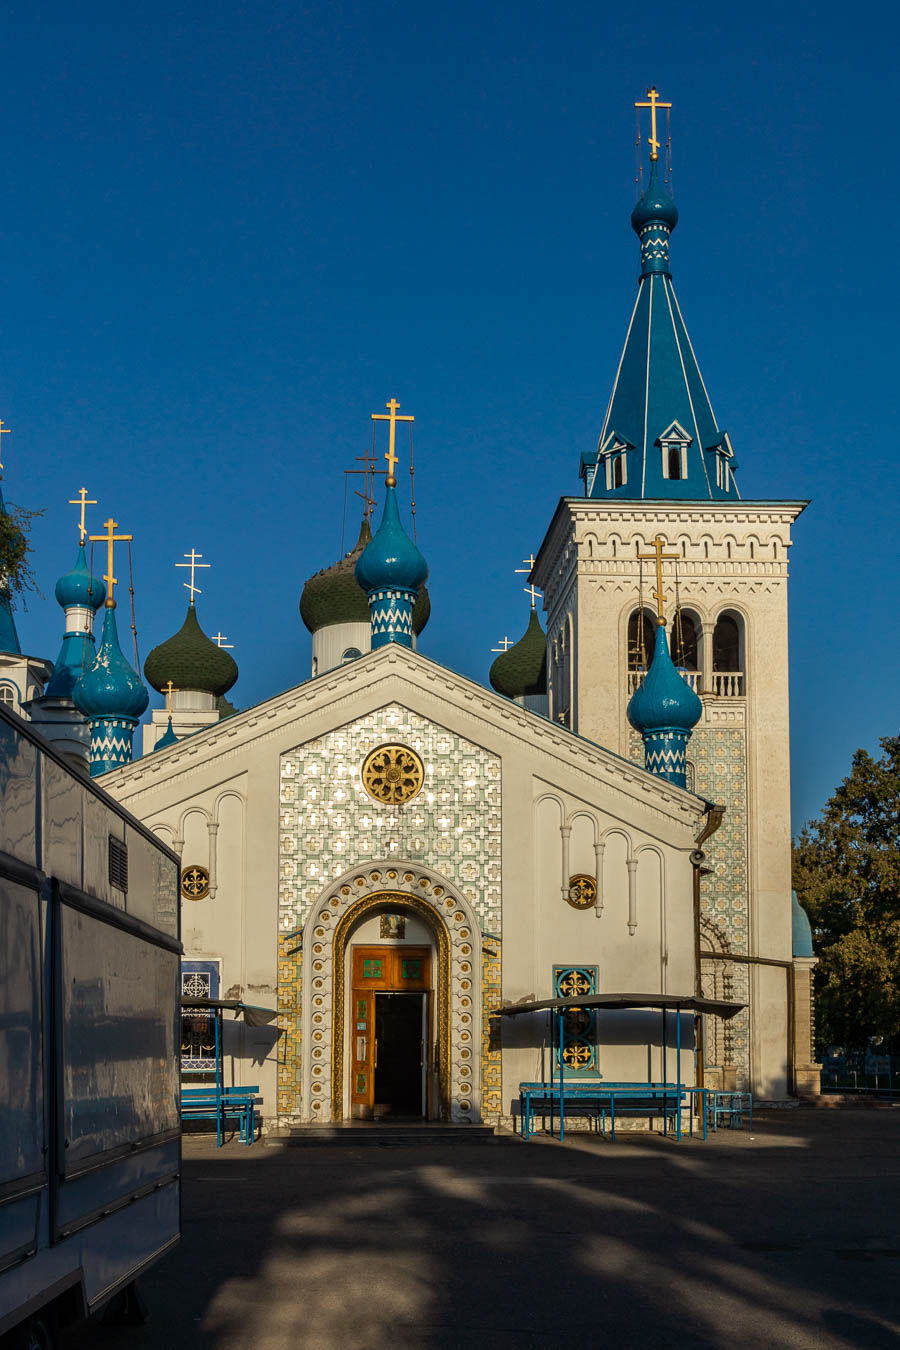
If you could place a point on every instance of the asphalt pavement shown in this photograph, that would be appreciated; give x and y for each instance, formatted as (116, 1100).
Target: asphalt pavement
(786, 1238)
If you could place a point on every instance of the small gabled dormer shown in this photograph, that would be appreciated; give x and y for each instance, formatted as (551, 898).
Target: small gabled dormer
(673, 444)
(725, 462)
(612, 460)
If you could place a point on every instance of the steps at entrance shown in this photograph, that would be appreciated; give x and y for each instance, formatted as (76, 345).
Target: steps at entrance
(365, 1132)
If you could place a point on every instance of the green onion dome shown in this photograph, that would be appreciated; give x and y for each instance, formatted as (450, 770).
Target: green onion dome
(335, 596)
(191, 660)
(523, 668)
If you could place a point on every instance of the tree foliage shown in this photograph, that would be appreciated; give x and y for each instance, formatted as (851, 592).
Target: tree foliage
(847, 876)
(16, 575)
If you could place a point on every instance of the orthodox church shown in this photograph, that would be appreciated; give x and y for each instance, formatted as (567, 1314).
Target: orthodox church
(390, 852)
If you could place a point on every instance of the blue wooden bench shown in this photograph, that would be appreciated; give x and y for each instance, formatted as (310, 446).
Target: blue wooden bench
(203, 1103)
(605, 1100)
(730, 1107)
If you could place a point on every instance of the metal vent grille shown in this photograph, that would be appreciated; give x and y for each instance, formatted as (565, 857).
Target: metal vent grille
(118, 864)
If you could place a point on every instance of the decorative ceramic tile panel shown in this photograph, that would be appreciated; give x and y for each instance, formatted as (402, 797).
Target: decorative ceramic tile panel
(719, 759)
(329, 825)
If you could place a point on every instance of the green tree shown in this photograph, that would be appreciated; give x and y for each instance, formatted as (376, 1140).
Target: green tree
(16, 575)
(847, 876)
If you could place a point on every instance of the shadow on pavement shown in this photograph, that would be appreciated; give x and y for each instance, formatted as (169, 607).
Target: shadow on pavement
(786, 1239)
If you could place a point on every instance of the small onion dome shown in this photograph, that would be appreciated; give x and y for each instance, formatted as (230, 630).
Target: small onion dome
(664, 701)
(78, 587)
(391, 560)
(335, 596)
(523, 668)
(191, 660)
(110, 688)
(801, 932)
(655, 204)
(167, 738)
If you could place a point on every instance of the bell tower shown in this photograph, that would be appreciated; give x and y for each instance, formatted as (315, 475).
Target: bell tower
(662, 480)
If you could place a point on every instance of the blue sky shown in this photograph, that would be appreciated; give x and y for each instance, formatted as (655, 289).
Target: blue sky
(230, 232)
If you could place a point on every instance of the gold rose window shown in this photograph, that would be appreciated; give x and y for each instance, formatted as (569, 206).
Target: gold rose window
(393, 774)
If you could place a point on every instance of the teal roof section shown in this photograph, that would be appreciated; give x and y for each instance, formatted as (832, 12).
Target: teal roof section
(660, 438)
(9, 638)
(664, 701)
(166, 739)
(801, 930)
(111, 688)
(391, 560)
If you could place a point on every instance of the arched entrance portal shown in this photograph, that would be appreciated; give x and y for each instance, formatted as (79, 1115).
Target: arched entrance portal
(391, 1049)
(441, 921)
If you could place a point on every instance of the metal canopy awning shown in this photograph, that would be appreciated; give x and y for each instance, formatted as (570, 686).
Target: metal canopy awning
(612, 1002)
(252, 1014)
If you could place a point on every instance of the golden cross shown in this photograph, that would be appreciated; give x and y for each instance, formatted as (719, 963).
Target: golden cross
(4, 431)
(658, 544)
(219, 640)
(110, 538)
(505, 644)
(654, 103)
(82, 500)
(393, 417)
(526, 570)
(169, 689)
(193, 564)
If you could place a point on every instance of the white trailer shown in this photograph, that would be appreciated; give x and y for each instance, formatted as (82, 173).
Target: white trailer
(90, 1144)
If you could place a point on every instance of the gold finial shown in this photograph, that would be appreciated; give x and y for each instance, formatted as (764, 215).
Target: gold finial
(110, 538)
(505, 644)
(219, 640)
(193, 564)
(653, 103)
(82, 500)
(4, 431)
(658, 545)
(393, 417)
(526, 571)
(169, 689)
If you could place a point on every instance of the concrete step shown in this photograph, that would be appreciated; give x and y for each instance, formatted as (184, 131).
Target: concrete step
(367, 1132)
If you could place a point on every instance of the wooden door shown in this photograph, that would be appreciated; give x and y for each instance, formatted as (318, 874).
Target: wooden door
(394, 969)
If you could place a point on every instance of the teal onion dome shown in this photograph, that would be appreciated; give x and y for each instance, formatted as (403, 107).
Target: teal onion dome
(391, 559)
(655, 205)
(664, 701)
(191, 660)
(79, 588)
(801, 931)
(523, 668)
(335, 596)
(111, 688)
(168, 738)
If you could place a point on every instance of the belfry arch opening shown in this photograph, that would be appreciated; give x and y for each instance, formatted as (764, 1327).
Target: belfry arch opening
(641, 637)
(729, 655)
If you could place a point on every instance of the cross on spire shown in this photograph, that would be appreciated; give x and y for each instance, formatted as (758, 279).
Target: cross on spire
(658, 544)
(4, 431)
(526, 571)
(654, 102)
(169, 689)
(193, 564)
(110, 539)
(219, 639)
(82, 500)
(392, 417)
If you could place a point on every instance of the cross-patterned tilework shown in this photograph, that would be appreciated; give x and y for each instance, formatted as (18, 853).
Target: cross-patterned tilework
(719, 759)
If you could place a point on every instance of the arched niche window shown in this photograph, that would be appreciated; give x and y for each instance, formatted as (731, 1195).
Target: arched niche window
(674, 458)
(728, 656)
(351, 654)
(7, 695)
(641, 637)
(618, 471)
(684, 639)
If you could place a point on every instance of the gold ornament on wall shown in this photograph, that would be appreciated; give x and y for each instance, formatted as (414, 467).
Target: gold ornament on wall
(195, 883)
(582, 891)
(393, 774)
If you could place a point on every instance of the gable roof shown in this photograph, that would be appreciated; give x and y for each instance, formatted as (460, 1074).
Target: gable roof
(398, 674)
